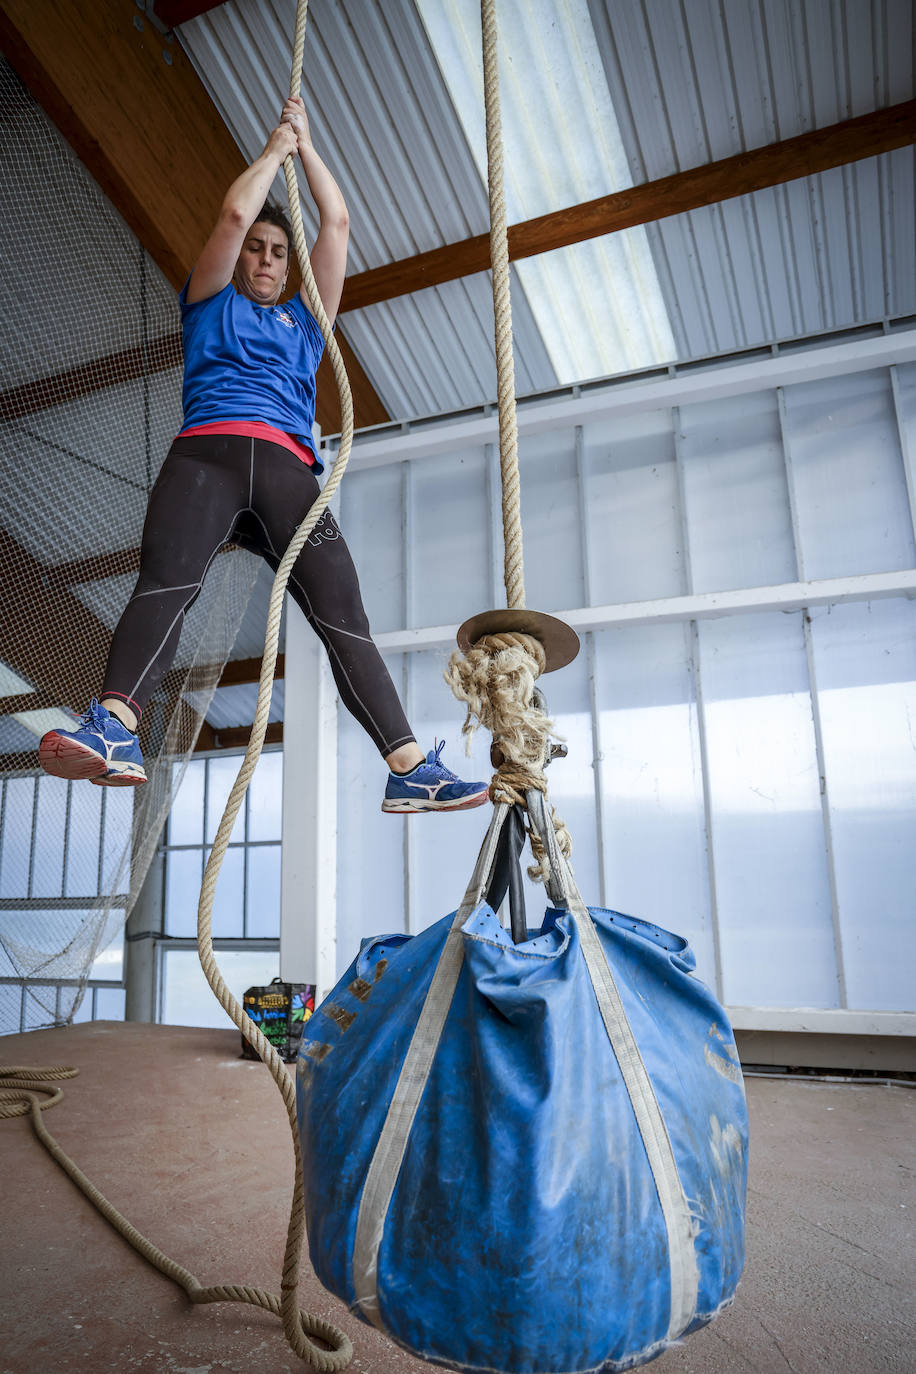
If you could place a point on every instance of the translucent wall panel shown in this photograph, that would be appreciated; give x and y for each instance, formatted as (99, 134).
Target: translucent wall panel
(109, 962)
(43, 848)
(654, 836)
(221, 776)
(848, 476)
(550, 520)
(449, 534)
(110, 1003)
(187, 999)
(735, 494)
(83, 836)
(265, 798)
(16, 840)
(38, 998)
(11, 997)
(606, 513)
(904, 375)
(7, 969)
(263, 919)
(118, 812)
(229, 898)
(48, 852)
(865, 656)
(632, 508)
(372, 520)
(184, 873)
(772, 886)
(186, 816)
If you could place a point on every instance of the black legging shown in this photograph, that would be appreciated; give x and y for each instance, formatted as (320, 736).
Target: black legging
(219, 488)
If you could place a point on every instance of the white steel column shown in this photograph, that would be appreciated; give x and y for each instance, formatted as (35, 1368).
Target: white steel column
(308, 881)
(826, 811)
(906, 448)
(409, 842)
(591, 658)
(495, 524)
(692, 645)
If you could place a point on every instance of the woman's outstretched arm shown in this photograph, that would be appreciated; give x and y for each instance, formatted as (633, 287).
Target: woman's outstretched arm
(328, 255)
(243, 201)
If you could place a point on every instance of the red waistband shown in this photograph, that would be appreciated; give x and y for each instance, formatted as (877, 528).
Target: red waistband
(255, 429)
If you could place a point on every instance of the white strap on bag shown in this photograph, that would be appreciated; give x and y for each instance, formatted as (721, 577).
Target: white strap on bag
(562, 889)
(392, 1143)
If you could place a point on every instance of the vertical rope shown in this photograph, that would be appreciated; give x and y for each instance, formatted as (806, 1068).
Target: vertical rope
(514, 570)
(496, 677)
(293, 1325)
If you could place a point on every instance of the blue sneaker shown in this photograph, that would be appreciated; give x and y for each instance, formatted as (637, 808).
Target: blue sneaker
(101, 749)
(432, 787)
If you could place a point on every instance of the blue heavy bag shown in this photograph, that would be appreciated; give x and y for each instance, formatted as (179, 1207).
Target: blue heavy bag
(525, 1158)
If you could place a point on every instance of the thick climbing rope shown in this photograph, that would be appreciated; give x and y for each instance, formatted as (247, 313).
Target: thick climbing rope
(496, 677)
(297, 1334)
(20, 1086)
(295, 1328)
(514, 567)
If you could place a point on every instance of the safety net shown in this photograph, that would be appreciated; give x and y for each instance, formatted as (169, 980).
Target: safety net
(90, 356)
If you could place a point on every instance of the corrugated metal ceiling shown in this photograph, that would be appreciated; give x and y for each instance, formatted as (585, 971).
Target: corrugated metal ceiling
(689, 83)
(695, 83)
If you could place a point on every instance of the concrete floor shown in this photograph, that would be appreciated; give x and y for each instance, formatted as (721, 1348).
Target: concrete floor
(192, 1143)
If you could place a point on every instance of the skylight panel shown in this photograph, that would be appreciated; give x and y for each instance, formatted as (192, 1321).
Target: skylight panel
(40, 722)
(11, 684)
(597, 304)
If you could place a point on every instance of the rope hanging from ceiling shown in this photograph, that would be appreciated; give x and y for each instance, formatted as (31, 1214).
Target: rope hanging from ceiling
(505, 652)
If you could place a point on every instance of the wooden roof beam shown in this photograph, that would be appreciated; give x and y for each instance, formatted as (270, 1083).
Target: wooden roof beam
(244, 671)
(235, 736)
(38, 613)
(160, 355)
(171, 13)
(806, 155)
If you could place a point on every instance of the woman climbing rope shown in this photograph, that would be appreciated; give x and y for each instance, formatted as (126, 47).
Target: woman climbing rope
(243, 470)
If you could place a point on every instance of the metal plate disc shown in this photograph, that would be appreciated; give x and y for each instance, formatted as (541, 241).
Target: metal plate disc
(561, 643)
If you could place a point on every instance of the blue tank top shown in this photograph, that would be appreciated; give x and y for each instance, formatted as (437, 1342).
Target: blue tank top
(250, 362)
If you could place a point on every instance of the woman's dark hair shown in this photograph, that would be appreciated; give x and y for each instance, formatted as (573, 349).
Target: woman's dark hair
(272, 214)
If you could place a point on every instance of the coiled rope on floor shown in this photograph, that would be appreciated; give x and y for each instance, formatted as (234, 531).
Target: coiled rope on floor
(20, 1086)
(495, 678)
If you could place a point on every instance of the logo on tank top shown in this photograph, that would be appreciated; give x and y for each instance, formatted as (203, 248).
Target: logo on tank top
(285, 317)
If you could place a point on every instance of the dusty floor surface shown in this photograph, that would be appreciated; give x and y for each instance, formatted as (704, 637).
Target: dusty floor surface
(192, 1143)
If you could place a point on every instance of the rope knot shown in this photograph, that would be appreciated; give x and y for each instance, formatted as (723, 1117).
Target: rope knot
(496, 679)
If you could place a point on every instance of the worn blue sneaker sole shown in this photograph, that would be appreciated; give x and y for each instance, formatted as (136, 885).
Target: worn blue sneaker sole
(404, 806)
(64, 757)
(121, 775)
